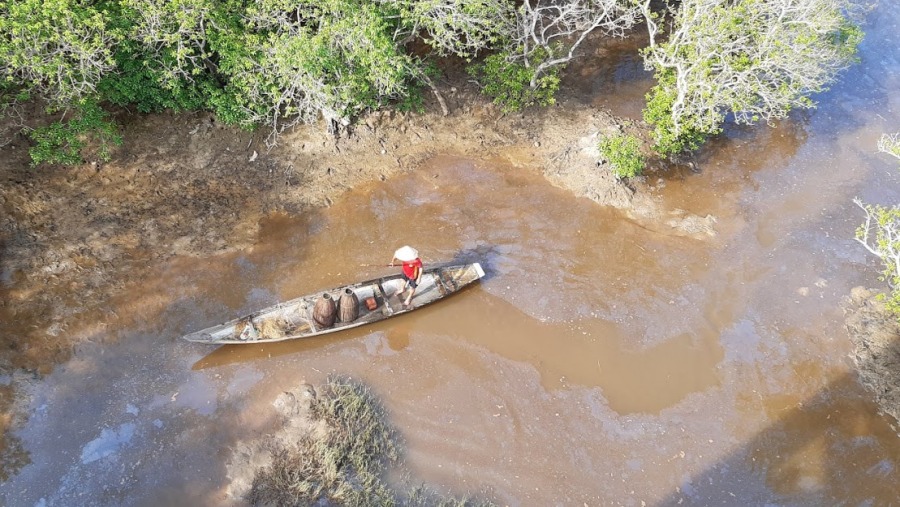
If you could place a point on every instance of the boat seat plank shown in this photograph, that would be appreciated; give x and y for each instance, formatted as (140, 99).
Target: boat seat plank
(388, 309)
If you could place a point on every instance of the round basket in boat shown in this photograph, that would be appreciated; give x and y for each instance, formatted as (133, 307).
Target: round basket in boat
(325, 311)
(348, 306)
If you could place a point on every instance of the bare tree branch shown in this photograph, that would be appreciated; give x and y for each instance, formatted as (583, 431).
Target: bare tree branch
(890, 144)
(880, 235)
(550, 31)
(755, 59)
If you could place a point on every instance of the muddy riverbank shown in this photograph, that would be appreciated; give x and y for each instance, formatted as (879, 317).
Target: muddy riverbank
(184, 185)
(875, 333)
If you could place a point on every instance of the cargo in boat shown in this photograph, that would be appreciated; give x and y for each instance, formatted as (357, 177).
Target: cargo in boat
(340, 308)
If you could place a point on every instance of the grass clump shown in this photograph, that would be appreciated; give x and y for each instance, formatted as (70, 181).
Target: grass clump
(344, 463)
(344, 466)
(425, 497)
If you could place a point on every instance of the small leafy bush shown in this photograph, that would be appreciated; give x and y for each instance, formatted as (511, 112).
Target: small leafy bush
(64, 142)
(624, 155)
(12, 94)
(890, 144)
(508, 82)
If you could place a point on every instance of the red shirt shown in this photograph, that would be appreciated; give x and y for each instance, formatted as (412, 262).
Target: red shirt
(412, 268)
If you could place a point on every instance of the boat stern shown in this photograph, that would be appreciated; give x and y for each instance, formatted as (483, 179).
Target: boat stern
(478, 269)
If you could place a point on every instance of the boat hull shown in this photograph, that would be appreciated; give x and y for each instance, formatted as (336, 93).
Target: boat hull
(376, 300)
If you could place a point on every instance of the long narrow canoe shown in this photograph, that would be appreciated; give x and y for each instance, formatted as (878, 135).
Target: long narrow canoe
(296, 318)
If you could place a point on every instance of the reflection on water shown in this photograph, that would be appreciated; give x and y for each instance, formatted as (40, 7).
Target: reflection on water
(613, 74)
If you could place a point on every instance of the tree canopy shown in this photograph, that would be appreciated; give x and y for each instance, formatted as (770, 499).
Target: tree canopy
(753, 59)
(279, 62)
(269, 62)
(59, 48)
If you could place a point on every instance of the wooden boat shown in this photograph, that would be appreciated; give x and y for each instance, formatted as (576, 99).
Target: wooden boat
(375, 300)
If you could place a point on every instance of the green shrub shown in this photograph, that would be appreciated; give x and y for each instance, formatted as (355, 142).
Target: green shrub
(12, 94)
(224, 103)
(751, 60)
(890, 144)
(624, 155)
(658, 113)
(139, 82)
(64, 142)
(508, 82)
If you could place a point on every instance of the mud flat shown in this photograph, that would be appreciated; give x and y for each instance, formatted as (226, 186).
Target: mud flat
(876, 336)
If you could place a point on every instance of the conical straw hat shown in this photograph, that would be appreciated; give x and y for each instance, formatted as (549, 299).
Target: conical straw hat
(406, 253)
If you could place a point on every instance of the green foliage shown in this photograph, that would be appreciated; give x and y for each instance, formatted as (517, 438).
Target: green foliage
(229, 110)
(624, 155)
(508, 82)
(137, 82)
(880, 234)
(275, 62)
(168, 59)
(270, 62)
(335, 60)
(173, 34)
(65, 142)
(751, 59)
(11, 94)
(669, 140)
(891, 301)
(59, 47)
(414, 101)
(458, 27)
(890, 144)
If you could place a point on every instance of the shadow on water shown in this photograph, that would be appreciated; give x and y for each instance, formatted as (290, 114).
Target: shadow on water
(730, 160)
(396, 330)
(826, 450)
(609, 73)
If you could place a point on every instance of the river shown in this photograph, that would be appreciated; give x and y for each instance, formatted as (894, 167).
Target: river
(598, 363)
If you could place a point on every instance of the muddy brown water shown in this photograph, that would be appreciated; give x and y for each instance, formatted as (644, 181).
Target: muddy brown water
(600, 362)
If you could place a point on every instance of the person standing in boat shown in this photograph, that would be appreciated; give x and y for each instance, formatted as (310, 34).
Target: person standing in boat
(412, 270)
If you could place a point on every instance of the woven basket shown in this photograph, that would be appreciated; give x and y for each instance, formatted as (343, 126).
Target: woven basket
(325, 311)
(348, 306)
